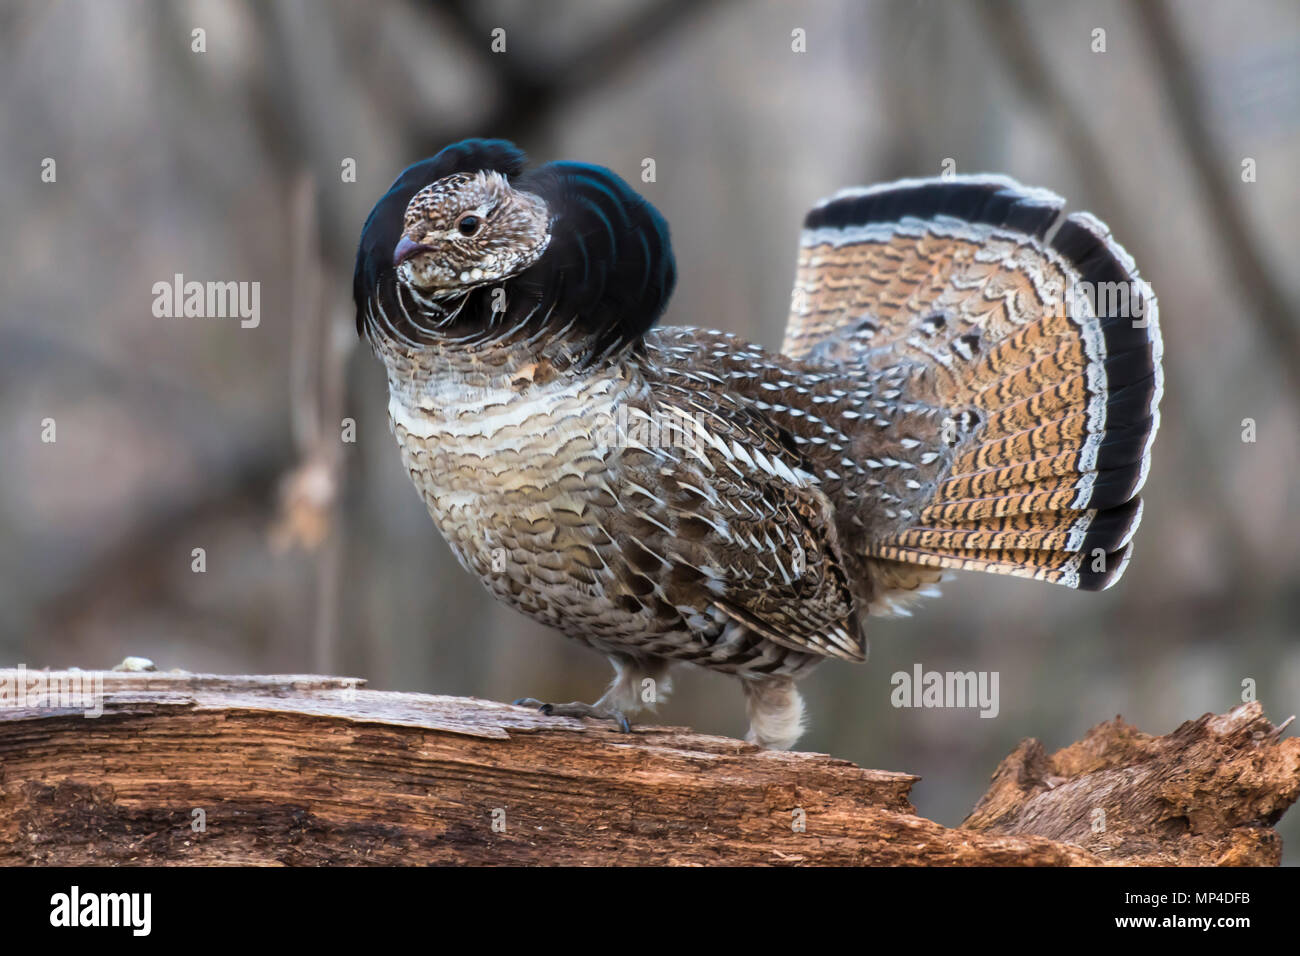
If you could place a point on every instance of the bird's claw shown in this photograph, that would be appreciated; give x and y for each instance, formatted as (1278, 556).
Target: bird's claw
(577, 709)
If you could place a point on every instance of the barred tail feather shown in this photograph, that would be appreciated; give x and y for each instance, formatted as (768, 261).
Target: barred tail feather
(1034, 329)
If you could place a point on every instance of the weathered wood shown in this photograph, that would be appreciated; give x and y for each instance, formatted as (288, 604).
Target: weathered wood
(313, 770)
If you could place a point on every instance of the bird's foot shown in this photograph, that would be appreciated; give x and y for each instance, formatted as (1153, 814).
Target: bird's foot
(576, 709)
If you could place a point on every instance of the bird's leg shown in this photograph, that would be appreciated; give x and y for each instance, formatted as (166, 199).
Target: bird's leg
(776, 717)
(627, 693)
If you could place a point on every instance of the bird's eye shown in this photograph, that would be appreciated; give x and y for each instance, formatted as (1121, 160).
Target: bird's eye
(468, 224)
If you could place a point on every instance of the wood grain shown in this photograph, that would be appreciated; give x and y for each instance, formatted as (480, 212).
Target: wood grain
(304, 770)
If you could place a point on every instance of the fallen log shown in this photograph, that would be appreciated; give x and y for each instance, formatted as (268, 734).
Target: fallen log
(182, 768)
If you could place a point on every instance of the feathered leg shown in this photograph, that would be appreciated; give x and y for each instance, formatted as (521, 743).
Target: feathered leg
(776, 715)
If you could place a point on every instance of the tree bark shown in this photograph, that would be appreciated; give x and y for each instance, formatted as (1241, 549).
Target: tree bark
(200, 769)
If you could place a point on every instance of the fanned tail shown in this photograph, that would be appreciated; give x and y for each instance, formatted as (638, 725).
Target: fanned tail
(1030, 358)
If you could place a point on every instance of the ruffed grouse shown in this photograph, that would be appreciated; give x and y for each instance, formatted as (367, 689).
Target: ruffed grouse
(969, 379)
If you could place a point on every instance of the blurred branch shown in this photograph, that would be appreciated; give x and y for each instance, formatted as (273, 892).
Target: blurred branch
(531, 93)
(1268, 302)
(307, 344)
(309, 494)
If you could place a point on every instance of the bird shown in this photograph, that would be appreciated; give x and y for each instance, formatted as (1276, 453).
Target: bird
(969, 380)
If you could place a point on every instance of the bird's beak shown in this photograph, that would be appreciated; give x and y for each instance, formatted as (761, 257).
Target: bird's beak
(405, 249)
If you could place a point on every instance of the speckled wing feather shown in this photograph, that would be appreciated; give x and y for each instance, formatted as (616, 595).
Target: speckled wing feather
(1019, 350)
(729, 515)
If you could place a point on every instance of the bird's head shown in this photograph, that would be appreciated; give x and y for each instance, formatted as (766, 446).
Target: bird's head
(469, 251)
(467, 230)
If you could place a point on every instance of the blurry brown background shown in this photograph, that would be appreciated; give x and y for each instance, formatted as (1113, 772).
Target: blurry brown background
(175, 434)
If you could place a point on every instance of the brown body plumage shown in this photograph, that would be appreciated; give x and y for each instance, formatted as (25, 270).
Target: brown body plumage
(944, 399)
